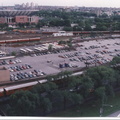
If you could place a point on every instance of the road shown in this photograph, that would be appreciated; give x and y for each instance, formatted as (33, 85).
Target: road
(115, 114)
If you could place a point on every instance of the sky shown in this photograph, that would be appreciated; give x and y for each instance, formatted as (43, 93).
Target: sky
(79, 3)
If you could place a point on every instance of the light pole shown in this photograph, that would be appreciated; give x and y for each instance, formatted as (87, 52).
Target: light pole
(103, 105)
(102, 108)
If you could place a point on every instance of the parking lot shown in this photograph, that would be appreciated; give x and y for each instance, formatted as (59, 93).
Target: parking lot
(89, 53)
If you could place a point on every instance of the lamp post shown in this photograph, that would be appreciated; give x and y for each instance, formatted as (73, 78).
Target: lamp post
(102, 108)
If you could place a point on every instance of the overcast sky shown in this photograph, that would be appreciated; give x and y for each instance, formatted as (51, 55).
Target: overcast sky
(87, 3)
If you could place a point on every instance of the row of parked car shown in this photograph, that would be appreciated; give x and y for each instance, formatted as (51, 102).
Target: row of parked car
(26, 75)
(115, 54)
(44, 53)
(94, 46)
(88, 57)
(19, 67)
(7, 62)
(99, 61)
(69, 55)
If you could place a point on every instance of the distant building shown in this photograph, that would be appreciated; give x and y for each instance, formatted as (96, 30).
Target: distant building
(98, 12)
(18, 16)
(73, 24)
(62, 33)
(109, 13)
(27, 4)
(23, 5)
(32, 5)
(93, 26)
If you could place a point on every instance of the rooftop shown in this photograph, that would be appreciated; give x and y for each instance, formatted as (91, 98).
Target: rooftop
(12, 13)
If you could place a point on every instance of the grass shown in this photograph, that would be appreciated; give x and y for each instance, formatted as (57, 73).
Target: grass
(91, 109)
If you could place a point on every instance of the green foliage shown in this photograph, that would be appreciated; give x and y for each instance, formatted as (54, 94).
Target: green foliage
(87, 83)
(100, 91)
(3, 26)
(61, 42)
(115, 60)
(50, 47)
(22, 103)
(74, 83)
(101, 75)
(46, 105)
(13, 53)
(77, 98)
(96, 81)
(77, 28)
(56, 96)
(41, 88)
(68, 28)
(102, 80)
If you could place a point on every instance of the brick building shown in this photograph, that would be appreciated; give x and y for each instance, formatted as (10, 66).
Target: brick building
(2, 20)
(21, 19)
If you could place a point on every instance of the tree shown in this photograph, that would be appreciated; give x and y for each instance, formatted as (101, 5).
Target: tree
(115, 60)
(87, 27)
(77, 28)
(50, 47)
(13, 53)
(44, 88)
(56, 97)
(46, 105)
(75, 84)
(61, 42)
(23, 103)
(101, 75)
(100, 92)
(67, 22)
(87, 86)
(3, 26)
(71, 98)
(66, 28)
(77, 99)
(64, 78)
(103, 79)
(115, 64)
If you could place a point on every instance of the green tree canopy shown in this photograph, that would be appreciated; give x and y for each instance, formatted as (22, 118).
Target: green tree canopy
(101, 75)
(23, 103)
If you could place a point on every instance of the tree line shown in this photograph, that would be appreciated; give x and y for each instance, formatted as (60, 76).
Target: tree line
(63, 91)
(83, 20)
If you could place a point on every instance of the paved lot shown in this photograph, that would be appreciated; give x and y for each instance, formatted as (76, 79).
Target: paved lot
(73, 58)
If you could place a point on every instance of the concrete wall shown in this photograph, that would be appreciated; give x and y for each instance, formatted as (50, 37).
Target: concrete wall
(4, 74)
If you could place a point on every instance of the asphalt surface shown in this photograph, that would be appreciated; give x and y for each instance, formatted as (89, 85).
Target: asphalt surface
(115, 114)
(84, 50)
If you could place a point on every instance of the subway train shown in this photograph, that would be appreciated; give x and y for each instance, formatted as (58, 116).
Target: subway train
(20, 40)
